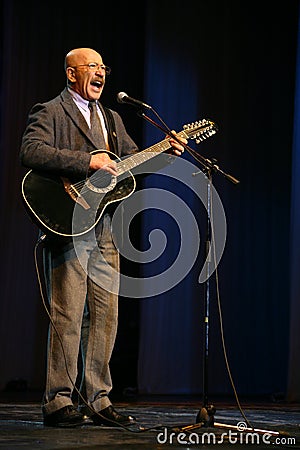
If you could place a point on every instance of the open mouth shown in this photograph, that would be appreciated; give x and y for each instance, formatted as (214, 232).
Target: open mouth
(98, 84)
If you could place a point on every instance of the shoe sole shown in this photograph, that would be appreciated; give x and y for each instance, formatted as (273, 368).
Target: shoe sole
(66, 425)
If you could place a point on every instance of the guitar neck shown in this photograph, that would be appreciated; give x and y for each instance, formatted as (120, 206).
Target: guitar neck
(139, 158)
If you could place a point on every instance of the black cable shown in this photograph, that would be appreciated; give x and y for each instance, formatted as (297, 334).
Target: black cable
(221, 324)
(157, 427)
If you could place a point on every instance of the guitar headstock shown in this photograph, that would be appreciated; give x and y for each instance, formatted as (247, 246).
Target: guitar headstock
(200, 130)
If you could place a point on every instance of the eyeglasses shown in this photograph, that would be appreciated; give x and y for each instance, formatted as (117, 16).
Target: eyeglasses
(94, 67)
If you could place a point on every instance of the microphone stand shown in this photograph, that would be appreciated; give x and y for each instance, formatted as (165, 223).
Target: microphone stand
(205, 416)
(207, 164)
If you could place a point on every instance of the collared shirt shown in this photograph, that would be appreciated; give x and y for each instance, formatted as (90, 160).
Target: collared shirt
(83, 106)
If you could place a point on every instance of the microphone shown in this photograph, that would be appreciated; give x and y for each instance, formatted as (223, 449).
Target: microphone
(122, 97)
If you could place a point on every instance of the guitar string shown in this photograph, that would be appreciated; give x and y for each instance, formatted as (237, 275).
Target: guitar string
(123, 166)
(141, 157)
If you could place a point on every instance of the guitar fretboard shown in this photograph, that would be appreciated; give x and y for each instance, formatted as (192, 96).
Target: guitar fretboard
(141, 157)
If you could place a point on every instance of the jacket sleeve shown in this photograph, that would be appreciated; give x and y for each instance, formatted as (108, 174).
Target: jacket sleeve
(40, 149)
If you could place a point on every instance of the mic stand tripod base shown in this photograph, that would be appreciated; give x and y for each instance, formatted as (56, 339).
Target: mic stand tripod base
(232, 427)
(205, 419)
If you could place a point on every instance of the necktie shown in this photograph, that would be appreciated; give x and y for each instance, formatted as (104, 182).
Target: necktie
(96, 128)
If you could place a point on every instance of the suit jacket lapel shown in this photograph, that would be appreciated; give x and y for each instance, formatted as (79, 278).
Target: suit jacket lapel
(71, 109)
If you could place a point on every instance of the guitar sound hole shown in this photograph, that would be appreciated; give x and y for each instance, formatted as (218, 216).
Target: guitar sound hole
(101, 181)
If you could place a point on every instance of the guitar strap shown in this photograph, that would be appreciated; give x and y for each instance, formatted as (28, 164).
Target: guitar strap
(113, 147)
(111, 129)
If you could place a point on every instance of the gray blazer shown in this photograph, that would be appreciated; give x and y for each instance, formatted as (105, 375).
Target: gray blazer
(57, 138)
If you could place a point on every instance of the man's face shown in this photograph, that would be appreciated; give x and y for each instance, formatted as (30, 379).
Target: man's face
(87, 72)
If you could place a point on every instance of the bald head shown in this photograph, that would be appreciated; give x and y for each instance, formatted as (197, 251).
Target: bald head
(79, 56)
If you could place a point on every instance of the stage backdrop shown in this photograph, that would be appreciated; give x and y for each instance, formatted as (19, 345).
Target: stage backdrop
(234, 63)
(242, 76)
(294, 343)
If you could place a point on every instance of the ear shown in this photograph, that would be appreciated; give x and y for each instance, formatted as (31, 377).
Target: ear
(70, 72)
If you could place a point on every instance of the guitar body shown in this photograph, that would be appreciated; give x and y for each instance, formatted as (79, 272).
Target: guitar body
(56, 208)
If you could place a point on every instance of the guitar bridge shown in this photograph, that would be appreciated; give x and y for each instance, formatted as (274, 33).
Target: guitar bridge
(74, 194)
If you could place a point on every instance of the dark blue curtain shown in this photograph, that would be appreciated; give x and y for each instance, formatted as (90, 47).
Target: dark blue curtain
(229, 63)
(171, 323)
(294, 348)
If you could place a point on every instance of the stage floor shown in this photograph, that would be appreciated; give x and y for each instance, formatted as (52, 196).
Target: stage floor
(162, 422)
